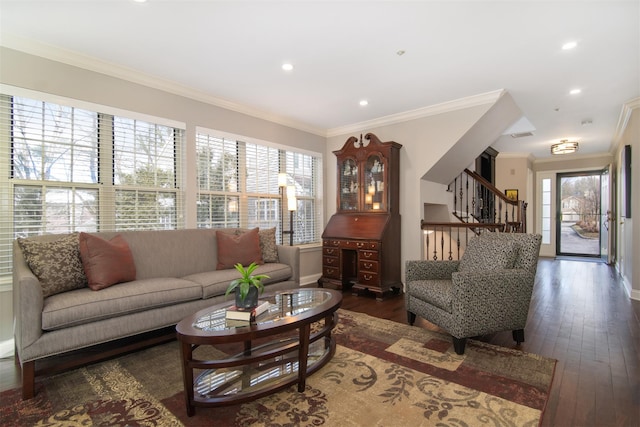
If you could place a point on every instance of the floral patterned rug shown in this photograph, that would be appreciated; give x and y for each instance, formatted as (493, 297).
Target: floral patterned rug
(383, 374)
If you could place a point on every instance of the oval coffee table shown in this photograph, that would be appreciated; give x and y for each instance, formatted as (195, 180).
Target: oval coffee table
(279, 359)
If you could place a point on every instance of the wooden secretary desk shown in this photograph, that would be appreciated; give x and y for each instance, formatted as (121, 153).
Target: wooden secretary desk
(361, 242)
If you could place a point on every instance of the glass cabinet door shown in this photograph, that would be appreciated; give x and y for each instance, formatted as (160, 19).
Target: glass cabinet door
(349, 186)
(374, 184)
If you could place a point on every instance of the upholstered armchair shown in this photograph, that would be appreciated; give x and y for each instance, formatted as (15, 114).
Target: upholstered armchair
(488, 290)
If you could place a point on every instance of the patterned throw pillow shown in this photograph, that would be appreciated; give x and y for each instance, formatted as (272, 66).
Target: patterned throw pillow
(56, 264)
(268, 244)
(488, 254)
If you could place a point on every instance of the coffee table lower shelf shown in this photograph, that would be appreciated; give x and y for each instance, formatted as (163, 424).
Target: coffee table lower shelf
(257, 371)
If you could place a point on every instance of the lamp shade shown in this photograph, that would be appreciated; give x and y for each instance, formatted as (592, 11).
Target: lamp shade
(292, 203)
(282, 179)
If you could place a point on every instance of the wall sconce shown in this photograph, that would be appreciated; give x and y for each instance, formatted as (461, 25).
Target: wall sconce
(564, 147)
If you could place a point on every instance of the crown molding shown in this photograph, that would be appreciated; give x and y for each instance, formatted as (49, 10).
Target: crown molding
(432, 110)
(623, 120)
(565, 157)
(515, 155)
(89, 63)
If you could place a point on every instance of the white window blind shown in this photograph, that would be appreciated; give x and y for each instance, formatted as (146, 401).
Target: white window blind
(65, 169)
(238, 186)
(218, 197)
(145, 160)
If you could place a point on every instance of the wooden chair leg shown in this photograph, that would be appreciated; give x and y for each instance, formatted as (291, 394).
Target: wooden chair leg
(459, 344)
(28, 380)
(411, 318)
(518, 336)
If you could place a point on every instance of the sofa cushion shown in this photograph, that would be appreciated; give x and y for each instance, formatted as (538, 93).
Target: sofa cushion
(56, 263)
(84, 305)
(435, 292)
(488, 254)
(215, 283)
(106, 262)
(243, 248)
(268, 244)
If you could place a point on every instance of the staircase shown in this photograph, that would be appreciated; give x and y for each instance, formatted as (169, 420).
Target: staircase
(479, 207)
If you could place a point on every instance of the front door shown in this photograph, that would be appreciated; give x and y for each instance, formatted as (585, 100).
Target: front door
(578, 220)
(607, 223)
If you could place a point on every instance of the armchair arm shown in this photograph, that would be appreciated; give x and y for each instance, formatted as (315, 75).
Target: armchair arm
(491, 300)
(426, 270)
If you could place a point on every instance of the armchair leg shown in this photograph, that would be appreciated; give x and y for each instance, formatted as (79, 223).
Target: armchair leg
(459, 344)
(518, 336)
(411, 318)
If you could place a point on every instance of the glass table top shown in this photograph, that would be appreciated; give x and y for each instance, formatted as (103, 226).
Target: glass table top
(283, 304)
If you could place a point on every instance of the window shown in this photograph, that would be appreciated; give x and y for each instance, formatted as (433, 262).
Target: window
(70, 169)
(546, 211)
(238, 186)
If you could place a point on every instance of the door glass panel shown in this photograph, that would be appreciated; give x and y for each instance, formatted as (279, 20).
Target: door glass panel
(578, 230)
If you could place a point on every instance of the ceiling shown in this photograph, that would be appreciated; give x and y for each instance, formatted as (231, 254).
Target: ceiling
(231, 53)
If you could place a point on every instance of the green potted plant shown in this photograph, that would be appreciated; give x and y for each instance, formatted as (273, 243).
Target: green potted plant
(247, 287)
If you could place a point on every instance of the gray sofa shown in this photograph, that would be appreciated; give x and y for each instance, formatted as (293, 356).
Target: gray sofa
(175, 276)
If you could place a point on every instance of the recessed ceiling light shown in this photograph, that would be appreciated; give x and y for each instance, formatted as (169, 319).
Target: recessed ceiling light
(364, 102)
(569, 45)
(287, 67)
(575, 91)
(140, 1)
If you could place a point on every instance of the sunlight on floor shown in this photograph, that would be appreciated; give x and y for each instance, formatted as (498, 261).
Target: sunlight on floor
(6, 349)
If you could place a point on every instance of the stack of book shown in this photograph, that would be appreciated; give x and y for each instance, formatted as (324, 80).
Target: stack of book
(236, 314)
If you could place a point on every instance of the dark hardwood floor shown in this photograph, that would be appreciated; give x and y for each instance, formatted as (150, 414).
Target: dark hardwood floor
(579, 315)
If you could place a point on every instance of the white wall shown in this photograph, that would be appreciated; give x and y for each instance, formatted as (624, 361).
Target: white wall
(628, 235)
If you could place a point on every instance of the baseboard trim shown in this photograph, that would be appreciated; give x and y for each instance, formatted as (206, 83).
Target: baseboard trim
(310, 281)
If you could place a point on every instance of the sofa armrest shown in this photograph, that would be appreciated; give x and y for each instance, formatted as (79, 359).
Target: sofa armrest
(28, 302)
(429, 270)
(290, 255)
(504, 295)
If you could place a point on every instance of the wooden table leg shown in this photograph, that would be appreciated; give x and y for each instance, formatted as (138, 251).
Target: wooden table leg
(187, 376)
(28, 380)
(303, 354)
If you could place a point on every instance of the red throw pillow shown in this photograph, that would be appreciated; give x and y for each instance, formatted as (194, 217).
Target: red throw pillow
(243, 249)
(106, 262)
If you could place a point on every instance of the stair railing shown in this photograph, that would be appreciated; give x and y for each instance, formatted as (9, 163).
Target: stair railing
(480, 207)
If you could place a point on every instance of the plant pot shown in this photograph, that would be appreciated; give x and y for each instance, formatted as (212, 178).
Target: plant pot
(250, 301)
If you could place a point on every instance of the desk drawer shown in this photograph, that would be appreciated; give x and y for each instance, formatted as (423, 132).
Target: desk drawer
(331, 272)
(369, 255)
(368, 266)
(330, 261)
(368, 278)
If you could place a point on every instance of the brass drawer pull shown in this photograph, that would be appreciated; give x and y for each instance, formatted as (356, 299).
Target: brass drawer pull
(367, 265)
(368, 254)
(367, 277)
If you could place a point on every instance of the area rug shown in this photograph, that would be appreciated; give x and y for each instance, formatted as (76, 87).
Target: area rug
(383, 374)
